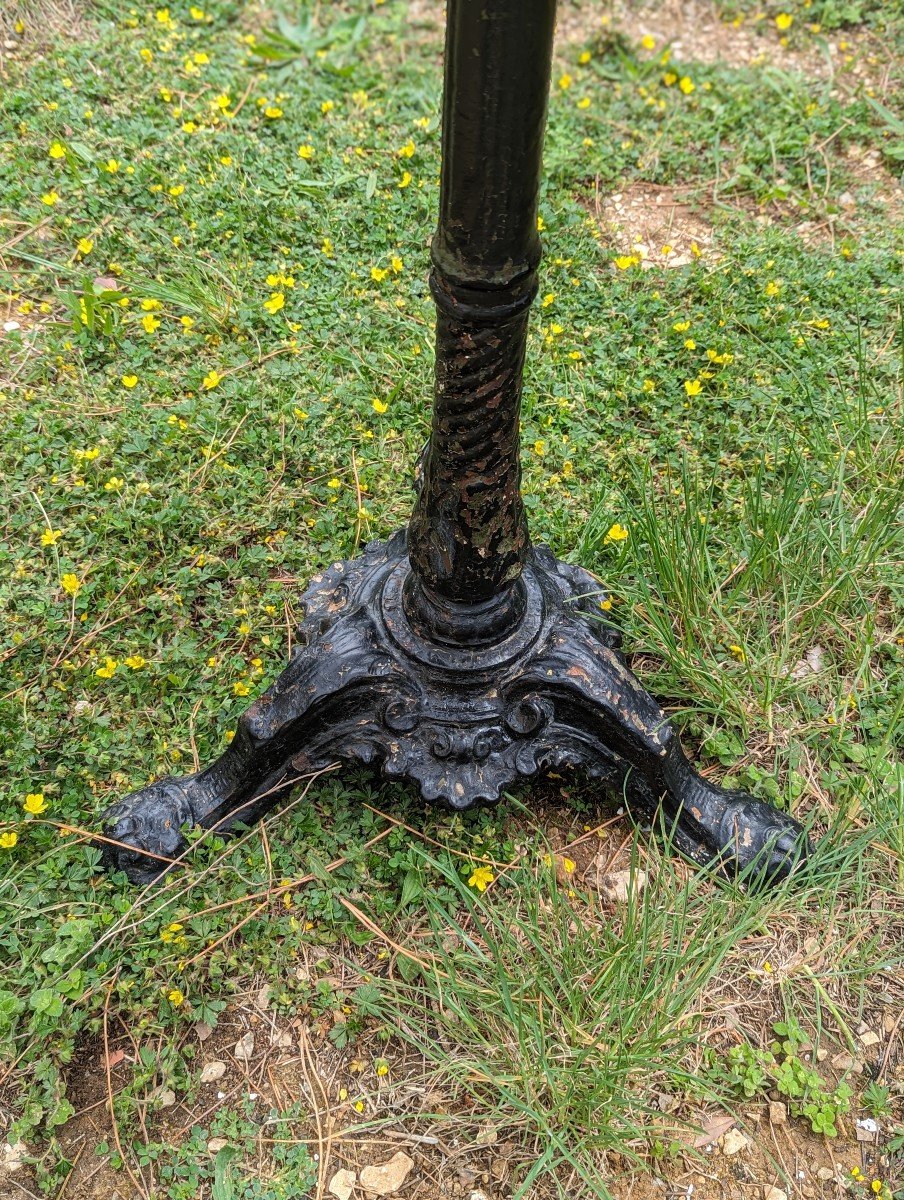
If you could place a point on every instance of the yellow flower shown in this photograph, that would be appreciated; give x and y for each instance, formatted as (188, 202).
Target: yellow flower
(407, 151)
(380, 406)
(584, 57)
(273, 111)
(149, 305)
(146, 55)
(175, 997)
(327, 106)
(396, 263)
(548, 299)
(690, 344)
(150, 323)
(210, 380)
(584, 102)
(129, 381)
(669, 78)
(539, 447)
(772, 288)
(541, 224)
(8, 840)
(306, 151)
(481, 878)
(626, 260)
(189, 127)
(648, 42)
(300, 414)
(378, 274)
(50, 537)
(275, 303)
(177, 189)
(163, 16)
(334, 483)
(738, 653)
(135, 662)
(405, 180)
(326, 247)
(681, 326)
(108, 670)
(686, 84)
(783, 21)
(197, 14)
(111, 166)
(226, 160)
(693, 387)
(57, 150)
(649, 385)
(617, 533)
(85, 246)
(186, 322)
(241, 689)
(50, 198)
(70, 584)
(35, 803)
(565, 81)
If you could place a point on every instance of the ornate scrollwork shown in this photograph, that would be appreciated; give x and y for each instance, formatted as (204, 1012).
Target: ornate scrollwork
(462, 724)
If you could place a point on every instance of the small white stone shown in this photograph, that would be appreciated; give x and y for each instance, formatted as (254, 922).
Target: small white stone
(166, 1098)
(388, 1177)
(212, 1071)
(244, 1047)
(619, 886)
(342, 1184)
(12, 1156)
(215, 1145)
(869, 1039)
(734, 1142)
(774, 1193)
(778, 1114)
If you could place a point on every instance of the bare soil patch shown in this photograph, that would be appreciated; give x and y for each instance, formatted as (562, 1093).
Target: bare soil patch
(697, 32)
(666, 226)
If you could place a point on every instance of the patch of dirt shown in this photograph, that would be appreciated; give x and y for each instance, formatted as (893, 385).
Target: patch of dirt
(664, 225)
(697, 32)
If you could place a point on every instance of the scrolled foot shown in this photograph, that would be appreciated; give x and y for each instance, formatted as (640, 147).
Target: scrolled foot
(744, 837)
(147, 825)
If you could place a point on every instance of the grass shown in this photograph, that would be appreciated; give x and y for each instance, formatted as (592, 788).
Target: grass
(209, 339)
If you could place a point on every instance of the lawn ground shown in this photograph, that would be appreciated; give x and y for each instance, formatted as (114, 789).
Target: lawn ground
(215, 371)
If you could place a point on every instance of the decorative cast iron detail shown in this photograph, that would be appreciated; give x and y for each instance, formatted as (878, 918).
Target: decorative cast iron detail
(463, 724)
(468, 535)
